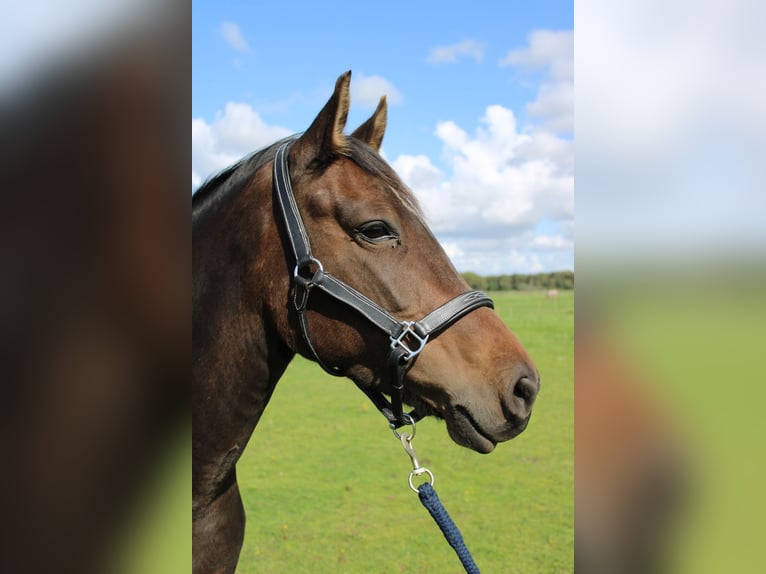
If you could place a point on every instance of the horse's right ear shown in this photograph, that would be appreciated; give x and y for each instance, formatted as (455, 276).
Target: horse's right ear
(325, 140)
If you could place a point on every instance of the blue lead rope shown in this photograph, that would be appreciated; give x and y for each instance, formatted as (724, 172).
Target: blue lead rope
(431, 501)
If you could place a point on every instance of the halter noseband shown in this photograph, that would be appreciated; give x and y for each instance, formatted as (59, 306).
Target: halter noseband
(407, 338)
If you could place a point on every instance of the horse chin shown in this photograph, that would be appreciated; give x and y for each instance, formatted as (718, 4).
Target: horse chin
(461, 426)
(465, 431)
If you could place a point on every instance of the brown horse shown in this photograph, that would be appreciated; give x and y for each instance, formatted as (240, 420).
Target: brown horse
(253, 271)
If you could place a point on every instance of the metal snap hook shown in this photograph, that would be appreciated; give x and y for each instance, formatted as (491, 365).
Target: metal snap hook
(406, 439)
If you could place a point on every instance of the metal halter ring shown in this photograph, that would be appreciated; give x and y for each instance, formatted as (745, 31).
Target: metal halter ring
(305, 263)
(408, 420)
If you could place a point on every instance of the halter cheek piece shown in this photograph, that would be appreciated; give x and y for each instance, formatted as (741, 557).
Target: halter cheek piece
(407, 338)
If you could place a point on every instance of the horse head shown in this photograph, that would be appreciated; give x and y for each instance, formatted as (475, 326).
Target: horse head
(367, 229)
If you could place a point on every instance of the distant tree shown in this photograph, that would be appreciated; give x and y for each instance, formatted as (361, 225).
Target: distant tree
(562, 280)
(506, 282)
(475, 280)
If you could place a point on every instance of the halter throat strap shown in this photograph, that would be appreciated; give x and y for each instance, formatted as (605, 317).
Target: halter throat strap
(406, 338)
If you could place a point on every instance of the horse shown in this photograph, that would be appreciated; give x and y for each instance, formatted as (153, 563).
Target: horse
(390, 312)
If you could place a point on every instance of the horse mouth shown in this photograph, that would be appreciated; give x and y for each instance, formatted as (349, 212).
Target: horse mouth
(467, 432)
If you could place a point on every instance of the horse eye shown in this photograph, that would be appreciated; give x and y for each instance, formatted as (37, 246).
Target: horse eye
(376, 231)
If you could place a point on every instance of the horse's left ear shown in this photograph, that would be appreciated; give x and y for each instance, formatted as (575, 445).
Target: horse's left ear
(371, 132)
(325, 139)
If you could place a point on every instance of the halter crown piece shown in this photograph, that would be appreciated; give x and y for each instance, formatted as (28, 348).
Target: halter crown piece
(407, 338)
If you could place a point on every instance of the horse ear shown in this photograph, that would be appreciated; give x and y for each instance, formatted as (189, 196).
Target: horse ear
(325, 138)
(371, 132)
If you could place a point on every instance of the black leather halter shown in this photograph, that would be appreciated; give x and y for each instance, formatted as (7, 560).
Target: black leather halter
(407, 338)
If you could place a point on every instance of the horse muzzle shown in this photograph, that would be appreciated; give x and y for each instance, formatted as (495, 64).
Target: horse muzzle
(480, 425)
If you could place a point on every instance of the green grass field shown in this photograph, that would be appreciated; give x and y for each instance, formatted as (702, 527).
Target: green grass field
(324, 481)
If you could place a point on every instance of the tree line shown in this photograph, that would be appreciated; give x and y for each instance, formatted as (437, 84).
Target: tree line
(520, 282)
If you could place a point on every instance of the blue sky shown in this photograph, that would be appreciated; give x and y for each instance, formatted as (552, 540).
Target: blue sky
(480, 107)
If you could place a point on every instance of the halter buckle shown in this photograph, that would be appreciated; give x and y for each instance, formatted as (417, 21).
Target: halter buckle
(400, 341)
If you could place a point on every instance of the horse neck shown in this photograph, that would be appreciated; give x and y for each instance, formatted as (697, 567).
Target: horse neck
(239, 346)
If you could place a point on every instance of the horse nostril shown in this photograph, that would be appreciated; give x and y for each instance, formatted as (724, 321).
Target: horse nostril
(525, 390)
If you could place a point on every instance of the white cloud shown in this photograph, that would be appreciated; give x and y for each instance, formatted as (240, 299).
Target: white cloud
(452, 53)
(553, 242)
(367, 90)
(420, 172)
(234, 133)
(503, 183)
(547, 49)
(552, 52)
(232, 35)
(555, 106)
(497, 256)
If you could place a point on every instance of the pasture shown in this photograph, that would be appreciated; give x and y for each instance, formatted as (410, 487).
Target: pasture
(324, 481)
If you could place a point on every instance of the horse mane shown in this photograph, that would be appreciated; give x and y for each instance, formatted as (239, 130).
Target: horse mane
(233, 177)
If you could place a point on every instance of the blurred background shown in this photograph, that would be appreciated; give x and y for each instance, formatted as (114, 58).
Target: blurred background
(670, 313)
(94, 297)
